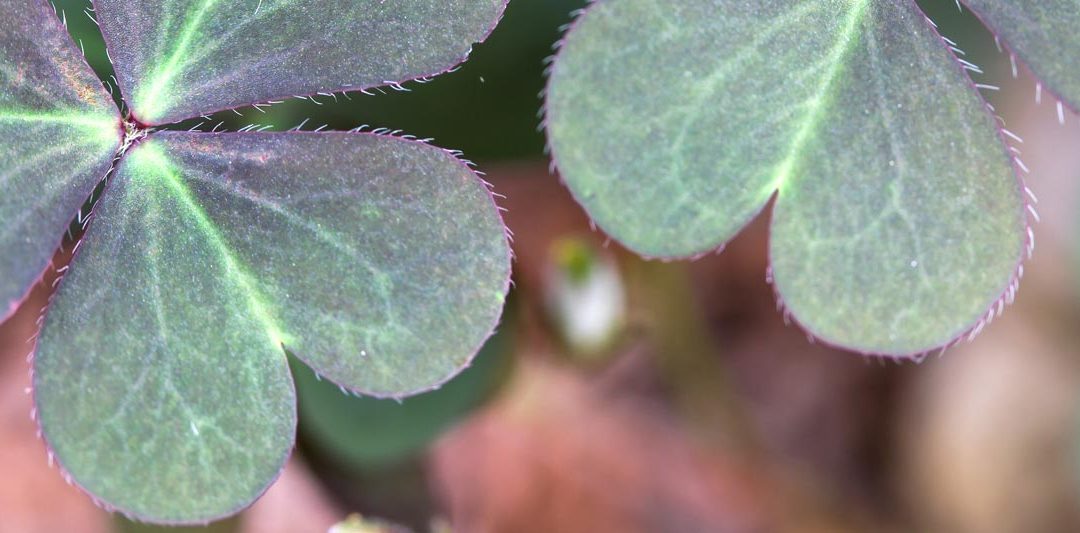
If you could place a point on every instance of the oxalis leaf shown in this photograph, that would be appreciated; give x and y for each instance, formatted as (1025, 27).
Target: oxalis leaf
(160, 379)
(180, 58)
(1043, 33)
(160, 373)
(60, 132)
(898, 222)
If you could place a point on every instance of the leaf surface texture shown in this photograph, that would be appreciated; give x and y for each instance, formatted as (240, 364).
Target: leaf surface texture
(177, 59)
(60, 131)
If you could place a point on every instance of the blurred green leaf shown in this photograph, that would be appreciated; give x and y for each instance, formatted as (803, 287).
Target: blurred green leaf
(372, 433)
(231, 525)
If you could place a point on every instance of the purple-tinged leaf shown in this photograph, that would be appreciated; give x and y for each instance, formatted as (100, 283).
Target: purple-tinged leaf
(158, 385)
(60, 132)
(160, 377)
(177, 59)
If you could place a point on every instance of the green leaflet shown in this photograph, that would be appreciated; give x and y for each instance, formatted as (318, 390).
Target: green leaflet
(60, 133)
(355, 247)
(160, 372)
(177, 59)
(209, 254)
(1043, 33)
(898, 221)
(158, 387)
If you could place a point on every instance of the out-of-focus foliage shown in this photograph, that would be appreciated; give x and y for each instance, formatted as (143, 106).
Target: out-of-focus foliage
(372, 433)
(231, 525)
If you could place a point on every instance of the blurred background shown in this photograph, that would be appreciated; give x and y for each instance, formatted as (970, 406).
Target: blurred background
(633, 396)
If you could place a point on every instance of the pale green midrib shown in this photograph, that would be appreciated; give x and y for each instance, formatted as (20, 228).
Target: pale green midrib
(211, 47)
(171, 67)
(233, 267)
(819, 101)
(106, 128)
(72, 119)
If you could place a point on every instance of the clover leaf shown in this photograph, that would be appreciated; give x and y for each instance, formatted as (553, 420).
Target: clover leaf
(899, 222)
(160, 373)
